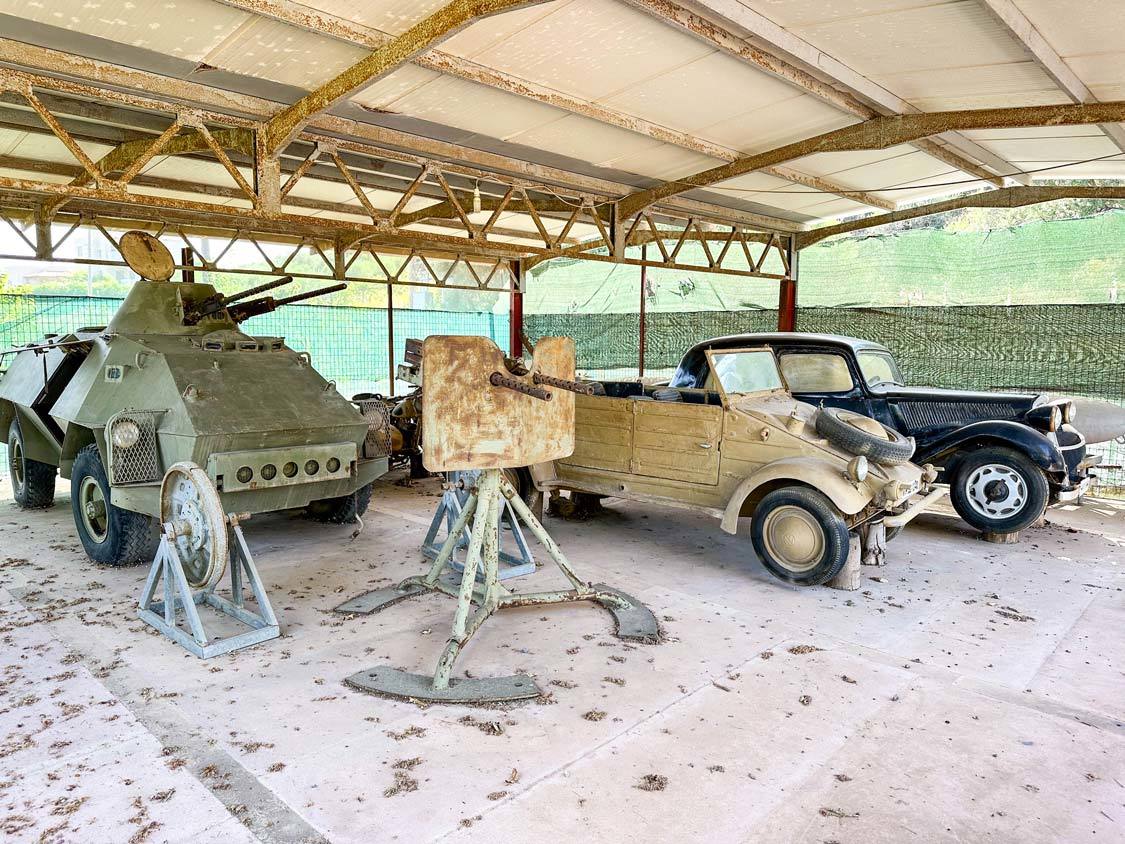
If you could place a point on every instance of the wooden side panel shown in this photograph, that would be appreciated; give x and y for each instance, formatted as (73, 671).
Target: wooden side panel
(603, 433)
(677, 441)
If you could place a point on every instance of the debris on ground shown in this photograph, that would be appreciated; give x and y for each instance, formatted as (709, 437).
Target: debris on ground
(826, 812)
(804, 700)
(717, 769)
(497, 795)
(652, 782)
(492, 728)
(847, 679)
(593, 715)
(409, 732)
(800, 650)
(513, 777)
(617, 681)
(1013, 614)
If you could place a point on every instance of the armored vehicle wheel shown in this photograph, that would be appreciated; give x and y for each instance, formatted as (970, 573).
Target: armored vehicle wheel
(863, 435)
(189, 502)
(998, 490)
(800, 536)
(343, 510)
(109, 534)
(33, 483)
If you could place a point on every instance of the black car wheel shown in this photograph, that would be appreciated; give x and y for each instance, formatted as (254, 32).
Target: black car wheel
(800, 536)
(109, 534)
(343, 510)
(999, 490)
(33, 483)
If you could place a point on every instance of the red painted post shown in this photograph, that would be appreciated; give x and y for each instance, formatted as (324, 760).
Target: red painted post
(787, 295)
(515, 322)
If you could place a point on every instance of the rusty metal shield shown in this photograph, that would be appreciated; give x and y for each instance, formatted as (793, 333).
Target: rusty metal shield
(469, 423)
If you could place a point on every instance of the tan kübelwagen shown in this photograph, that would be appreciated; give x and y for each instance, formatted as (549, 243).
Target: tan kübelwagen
(743, 446)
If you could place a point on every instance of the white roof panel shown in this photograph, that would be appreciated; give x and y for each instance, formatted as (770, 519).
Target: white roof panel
(608, 47)
(187, 29)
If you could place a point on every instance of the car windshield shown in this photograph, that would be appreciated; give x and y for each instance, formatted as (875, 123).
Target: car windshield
(879, 368)
(746, 372)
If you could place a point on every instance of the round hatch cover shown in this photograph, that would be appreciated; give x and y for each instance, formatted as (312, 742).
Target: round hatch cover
(147, 256)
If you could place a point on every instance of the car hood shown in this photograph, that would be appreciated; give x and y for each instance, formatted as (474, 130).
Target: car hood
(1025, 401)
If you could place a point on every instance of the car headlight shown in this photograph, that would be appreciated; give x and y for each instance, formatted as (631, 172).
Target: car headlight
(857, 469)
(1056, 418)
(126, 433)
(1070, 412)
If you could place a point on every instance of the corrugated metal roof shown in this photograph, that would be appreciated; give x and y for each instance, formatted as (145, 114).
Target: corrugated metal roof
(933, 54)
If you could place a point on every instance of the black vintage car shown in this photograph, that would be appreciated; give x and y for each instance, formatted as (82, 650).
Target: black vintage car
(1006, 456)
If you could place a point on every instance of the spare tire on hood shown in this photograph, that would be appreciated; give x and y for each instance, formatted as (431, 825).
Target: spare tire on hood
(856, 434)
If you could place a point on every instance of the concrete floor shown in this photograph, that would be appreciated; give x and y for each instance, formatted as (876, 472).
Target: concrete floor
(968, 692)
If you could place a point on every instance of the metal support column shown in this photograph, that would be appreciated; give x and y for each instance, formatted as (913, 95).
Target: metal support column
(391, 337)
(787, 295)
(515, 322)
(641, 336)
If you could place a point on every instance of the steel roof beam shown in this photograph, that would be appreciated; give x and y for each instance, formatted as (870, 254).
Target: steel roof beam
(322, 23)
(428, 32)
(1010, 197)
(817, 73)
(141, 89)
(1024, 31)
(881, 133)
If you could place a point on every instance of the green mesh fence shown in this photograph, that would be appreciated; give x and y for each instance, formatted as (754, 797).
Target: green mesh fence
(347, 344)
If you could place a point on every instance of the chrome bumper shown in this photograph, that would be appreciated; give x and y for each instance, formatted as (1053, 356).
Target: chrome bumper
(917, 508)
(1065, 495)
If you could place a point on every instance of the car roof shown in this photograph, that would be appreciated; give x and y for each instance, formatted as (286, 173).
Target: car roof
(785, 338)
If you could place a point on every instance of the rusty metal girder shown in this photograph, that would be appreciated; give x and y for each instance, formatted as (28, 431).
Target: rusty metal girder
(882, 133)
(1010, 197)
(432, 30)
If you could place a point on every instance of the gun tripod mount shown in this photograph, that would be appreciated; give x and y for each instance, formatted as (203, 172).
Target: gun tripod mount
(634, 621)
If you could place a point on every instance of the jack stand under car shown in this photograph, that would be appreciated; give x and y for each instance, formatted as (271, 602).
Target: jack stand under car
(195, 546)
(531, 437)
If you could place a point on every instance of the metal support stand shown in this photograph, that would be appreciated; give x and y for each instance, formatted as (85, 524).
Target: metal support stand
(168, 569)
(452, 504)
(635, 622)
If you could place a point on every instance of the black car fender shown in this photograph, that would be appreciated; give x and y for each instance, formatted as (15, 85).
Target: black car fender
(1035, 445)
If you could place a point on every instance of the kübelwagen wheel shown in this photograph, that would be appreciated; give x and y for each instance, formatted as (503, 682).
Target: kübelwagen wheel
(800, 536)
(189, 502)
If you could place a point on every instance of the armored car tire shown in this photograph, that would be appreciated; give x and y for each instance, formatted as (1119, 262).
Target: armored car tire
(800, 536)
(343, 510)
(33, 483)
(998, 490)
(842, 428)
(110, 535)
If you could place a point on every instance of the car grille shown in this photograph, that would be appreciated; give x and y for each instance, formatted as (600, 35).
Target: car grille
(928, 414)
(377, 443)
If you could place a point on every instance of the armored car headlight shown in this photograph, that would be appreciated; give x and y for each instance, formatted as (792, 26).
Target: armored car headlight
(125, 434)
(857, 469)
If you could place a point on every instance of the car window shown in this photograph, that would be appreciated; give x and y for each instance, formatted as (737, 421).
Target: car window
(878, 368)
(746, 372)
(816, 373)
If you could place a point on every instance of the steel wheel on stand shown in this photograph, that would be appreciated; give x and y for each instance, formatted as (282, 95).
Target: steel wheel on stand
(189, 502)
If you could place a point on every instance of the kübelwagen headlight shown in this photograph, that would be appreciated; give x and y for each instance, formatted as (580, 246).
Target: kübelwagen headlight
(858, 469)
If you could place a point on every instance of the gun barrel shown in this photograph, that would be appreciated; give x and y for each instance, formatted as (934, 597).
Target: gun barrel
(261, 288)
(498, 379)
(562, 384)
(300, 297)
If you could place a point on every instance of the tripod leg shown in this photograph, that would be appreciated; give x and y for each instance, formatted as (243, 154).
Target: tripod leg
(541, 534)
(487, 493)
